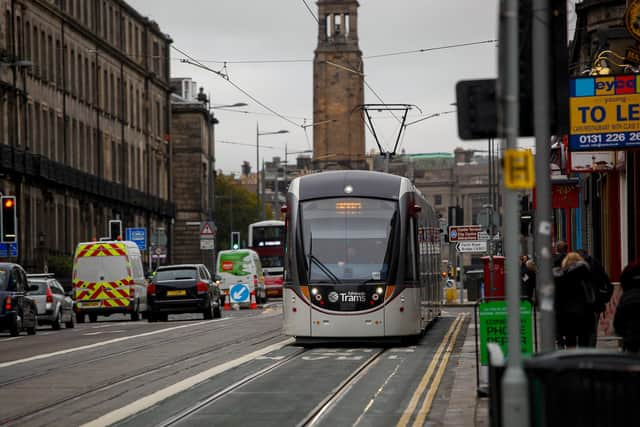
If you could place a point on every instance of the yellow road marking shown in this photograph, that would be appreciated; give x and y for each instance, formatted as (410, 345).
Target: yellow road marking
(426, 405)
(413, 403)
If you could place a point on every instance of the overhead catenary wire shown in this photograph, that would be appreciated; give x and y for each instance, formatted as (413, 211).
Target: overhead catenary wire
(376, 56)
(310, 11)
(246, 93)
(247, 144)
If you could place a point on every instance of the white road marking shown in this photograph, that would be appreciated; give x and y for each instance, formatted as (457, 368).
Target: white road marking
(270, 358)
(11, 339)
(103, 332)
(160, 395)
(103, 343)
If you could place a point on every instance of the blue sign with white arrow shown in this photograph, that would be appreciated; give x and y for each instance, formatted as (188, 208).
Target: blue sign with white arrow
(8, 250)
(239, 293)
(138, 236)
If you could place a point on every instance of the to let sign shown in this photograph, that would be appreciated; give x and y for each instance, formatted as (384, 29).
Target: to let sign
(604, 113)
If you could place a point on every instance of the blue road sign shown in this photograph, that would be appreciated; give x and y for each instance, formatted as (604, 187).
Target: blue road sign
(8, 250)
(239, 293)
(137, 235)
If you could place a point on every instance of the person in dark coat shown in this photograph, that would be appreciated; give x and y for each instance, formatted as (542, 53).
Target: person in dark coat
(529, 280)
(626, 321)
(574, 303)
(561, 252)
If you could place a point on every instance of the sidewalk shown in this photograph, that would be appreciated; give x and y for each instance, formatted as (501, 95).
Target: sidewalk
(465, 408)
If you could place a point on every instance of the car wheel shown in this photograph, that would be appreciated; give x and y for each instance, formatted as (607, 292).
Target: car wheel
(31, 330)
(135, 316)
(13, 328)
(208, 312)
(80, 317)
(70, 324)
(93, 318)
(151, 317)
(217, 311)
(163, 317)
(57, 321)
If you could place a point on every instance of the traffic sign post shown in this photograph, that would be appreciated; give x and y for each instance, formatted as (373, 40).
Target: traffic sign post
(472, 246)
(8, 250)
(239, 293)
(138, 236)
(466, 232)
(208, 236)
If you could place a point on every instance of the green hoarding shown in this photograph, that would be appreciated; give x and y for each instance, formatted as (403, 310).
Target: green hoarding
(493, 327)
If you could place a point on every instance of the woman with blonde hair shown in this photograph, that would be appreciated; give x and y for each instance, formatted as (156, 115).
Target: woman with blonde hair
(574, 302)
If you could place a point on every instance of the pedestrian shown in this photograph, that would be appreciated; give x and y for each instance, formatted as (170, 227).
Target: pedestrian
(529, 281)
(603, 287)
(561, 252)
(574, 302)
(626, 321)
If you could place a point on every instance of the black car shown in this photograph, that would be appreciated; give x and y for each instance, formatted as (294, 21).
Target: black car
(18, 312)
(185, 288)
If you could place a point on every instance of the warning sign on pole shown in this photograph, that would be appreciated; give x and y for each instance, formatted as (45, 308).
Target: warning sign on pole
(208, 230)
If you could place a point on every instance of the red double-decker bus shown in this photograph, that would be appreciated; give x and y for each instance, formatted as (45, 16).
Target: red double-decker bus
(267, 239)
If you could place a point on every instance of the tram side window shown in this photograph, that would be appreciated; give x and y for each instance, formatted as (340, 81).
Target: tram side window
(410, 259)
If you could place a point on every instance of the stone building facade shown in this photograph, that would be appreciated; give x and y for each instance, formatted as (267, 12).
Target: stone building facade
(192, 126)
(338, 88)
(84, 122)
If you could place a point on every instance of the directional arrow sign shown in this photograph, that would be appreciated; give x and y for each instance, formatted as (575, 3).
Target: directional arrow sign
(471, 246)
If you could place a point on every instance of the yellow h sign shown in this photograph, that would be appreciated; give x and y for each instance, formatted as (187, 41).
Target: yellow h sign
(519, 172)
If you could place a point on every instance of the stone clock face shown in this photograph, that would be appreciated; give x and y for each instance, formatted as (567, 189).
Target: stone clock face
(632, 19)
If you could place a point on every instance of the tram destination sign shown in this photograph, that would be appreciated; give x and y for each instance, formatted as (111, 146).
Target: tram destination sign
(604, 113)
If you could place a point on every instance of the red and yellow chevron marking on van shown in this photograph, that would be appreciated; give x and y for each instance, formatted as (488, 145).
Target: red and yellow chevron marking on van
(114, 294)
(103, 249)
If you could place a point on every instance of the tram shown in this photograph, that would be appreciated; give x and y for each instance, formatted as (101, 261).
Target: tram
(362, 257)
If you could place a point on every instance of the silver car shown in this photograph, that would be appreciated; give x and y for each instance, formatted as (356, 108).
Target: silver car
(54, 307)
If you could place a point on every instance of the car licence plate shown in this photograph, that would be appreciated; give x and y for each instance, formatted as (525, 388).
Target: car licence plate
(90, 304)
(176, 293)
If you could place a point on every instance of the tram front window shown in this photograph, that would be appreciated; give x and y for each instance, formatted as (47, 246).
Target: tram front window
(347, 239)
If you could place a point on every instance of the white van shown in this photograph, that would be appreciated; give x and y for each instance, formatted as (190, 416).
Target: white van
(108, 278)
(241, 267)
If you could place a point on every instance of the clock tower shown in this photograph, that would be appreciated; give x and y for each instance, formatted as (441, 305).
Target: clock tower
(338, 88)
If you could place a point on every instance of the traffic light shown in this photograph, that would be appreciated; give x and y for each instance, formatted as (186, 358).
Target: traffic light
(115, 229)
(235, 240)
(9, 228)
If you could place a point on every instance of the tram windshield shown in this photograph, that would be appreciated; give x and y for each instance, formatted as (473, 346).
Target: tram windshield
(347, 239)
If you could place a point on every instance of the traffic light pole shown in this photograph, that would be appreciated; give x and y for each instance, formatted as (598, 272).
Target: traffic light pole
(541, 105)
(515, 410)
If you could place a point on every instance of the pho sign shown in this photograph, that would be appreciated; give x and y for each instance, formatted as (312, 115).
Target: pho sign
(604, 113)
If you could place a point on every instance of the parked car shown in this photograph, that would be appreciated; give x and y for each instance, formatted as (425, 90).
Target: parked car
(185, 288)
(18, 312)
(53, 305)
(108, 278)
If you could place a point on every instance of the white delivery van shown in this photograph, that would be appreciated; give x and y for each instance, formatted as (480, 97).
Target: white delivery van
(238, 269)
(108, 278)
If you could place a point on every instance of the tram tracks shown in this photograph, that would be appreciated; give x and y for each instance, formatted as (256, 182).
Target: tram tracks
(128, 377)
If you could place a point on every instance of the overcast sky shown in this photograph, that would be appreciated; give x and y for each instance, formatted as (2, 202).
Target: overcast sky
(266, 30)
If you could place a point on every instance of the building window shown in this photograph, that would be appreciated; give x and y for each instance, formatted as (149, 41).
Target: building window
(437, 199)
(43, 59)
(58, 55)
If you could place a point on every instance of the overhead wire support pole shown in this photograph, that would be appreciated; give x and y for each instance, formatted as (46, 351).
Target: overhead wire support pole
(541, 106)
(515, 409)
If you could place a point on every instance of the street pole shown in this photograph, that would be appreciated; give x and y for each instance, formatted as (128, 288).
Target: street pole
(515, 410)
(542, 104)
(258, 200)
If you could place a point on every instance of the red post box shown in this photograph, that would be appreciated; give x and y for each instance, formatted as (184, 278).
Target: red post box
(495, 292)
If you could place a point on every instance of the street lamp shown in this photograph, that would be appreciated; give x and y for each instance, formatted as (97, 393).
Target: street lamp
(286, 163)
(258, 135)
(237, 104)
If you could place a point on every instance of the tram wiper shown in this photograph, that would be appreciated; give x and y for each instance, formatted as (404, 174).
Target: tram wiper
(323, 268)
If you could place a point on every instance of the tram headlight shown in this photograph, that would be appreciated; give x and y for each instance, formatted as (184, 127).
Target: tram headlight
(314, 291)
(375, 297)
(318, 297)
(380, 290)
